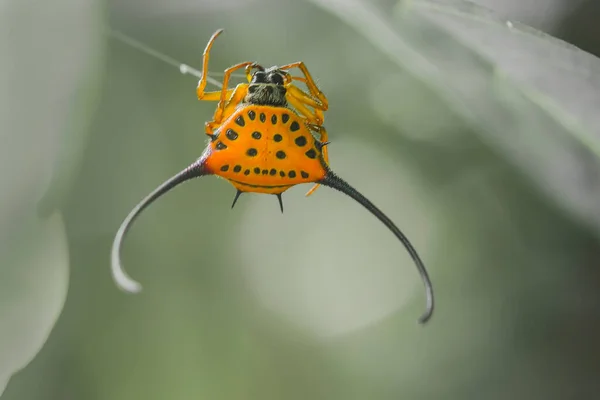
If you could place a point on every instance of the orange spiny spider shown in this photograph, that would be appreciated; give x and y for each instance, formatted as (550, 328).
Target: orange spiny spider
(266, 136)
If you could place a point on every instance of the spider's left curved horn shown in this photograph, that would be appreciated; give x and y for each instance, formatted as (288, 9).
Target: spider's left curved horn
(120, 277)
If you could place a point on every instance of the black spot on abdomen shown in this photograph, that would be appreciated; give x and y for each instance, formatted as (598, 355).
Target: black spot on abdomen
(300, 141)
(231, 134)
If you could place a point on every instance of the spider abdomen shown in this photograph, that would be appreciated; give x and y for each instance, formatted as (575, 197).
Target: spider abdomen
(265, 149)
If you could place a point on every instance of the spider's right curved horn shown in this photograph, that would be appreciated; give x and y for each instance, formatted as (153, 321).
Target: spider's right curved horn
(337, 183)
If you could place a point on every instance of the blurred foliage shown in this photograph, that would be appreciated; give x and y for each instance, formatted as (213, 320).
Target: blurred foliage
(46, 101)
(436, 114)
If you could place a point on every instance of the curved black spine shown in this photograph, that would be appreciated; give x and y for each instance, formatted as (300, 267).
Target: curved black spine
(120, 277)
(335, 182)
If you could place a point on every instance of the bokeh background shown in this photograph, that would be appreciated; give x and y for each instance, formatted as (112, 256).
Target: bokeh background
(477, 134)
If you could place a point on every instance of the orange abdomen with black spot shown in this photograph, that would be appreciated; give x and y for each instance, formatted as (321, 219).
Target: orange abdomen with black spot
(265, 149)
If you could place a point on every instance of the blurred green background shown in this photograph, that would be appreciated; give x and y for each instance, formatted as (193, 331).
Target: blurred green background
(479, 137)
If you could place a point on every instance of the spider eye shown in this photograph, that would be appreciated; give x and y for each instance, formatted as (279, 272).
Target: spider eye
(275, 78)
(259, 77)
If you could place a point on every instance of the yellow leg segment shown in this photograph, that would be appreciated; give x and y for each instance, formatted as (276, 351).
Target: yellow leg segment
(300, 99)
(225, 95)
(234, 99)
(312, 86)
(323, 138)
(202, 95)
(312, 117)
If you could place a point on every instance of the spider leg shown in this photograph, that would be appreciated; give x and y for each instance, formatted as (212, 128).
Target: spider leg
(313, 119)
(222, 113)
(225, 96)
(301, 100)
(310, 83)
(202, 95)
(323, 139)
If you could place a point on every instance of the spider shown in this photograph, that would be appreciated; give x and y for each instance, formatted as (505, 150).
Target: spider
(266, 136)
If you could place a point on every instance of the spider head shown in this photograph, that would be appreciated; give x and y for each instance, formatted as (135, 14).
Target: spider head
(272, 75)
(267, 86)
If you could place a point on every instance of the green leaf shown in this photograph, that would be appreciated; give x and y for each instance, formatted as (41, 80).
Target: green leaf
(48, 64)
(529, 96)
(34, 277)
